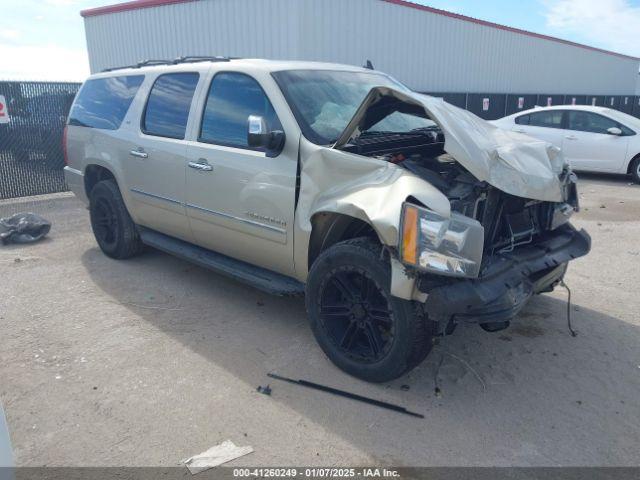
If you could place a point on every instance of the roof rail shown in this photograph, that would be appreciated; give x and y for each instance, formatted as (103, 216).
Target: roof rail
(202, 58)
(144, 63)
(176, 61)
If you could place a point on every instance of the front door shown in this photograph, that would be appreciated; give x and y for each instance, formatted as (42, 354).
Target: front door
(589, 146)
(240, 202)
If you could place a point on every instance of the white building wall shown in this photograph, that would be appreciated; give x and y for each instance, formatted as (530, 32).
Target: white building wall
(242, 28)
(427, 51)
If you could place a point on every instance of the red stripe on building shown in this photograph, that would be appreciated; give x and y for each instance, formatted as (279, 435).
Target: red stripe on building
(127, 6)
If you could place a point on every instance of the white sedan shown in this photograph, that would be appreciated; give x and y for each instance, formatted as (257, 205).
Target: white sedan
(594, 139)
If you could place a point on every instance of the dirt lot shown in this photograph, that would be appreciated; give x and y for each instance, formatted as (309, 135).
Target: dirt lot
(148, 361)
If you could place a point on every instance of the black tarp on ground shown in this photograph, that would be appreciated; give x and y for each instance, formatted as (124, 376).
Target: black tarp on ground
(23, 228)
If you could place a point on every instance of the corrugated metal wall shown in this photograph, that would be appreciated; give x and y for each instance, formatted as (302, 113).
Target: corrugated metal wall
(428, 52)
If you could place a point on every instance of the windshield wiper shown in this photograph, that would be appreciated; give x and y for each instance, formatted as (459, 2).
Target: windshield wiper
(434, 128)
(378, 133)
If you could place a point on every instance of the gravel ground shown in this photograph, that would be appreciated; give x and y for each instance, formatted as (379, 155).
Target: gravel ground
(147, 361)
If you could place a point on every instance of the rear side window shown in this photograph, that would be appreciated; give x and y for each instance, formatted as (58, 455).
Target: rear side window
(232, 98)
(168, 105)
(549, 119)
(103, 102)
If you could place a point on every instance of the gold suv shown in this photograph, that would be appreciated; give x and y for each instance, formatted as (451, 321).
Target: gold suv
(397, 215)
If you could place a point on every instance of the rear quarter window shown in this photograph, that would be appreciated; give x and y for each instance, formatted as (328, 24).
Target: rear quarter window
(104, 102)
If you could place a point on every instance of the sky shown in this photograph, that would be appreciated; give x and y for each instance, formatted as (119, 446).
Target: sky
(44, 39)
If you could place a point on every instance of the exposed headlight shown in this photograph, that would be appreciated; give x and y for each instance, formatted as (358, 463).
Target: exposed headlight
(446, 246)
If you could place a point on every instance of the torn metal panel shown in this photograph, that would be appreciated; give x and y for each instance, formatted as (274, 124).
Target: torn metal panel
(512, 162)
(365, 188)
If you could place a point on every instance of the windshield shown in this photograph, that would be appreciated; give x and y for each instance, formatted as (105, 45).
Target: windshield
(324, 101)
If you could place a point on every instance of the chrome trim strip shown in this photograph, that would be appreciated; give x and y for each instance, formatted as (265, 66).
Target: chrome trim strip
(159, 197)
(75, 171)
(243, 220)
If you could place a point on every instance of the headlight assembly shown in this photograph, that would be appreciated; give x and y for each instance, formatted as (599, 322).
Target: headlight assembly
(446, 246)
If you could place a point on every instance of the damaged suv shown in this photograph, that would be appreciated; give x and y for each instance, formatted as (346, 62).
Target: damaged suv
(396, 214)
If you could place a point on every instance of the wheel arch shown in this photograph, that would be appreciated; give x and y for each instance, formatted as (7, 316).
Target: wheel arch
(631, 162)
(329, 228)
(93, 174)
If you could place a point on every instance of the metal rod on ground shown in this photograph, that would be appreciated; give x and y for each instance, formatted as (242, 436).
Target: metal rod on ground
(342, 393)
(573, 333)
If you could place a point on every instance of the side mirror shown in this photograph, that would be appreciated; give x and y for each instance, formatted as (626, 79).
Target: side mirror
(614, 131)
(259, 137)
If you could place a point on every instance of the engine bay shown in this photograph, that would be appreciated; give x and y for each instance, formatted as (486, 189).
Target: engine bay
(509, 221)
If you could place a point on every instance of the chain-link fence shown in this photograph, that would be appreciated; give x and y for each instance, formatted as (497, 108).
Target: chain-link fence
(32, 118)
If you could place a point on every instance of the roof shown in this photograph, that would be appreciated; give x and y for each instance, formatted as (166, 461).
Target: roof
(585, 108)
(139, 4)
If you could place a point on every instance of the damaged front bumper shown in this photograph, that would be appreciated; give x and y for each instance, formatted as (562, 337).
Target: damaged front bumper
(506, 282)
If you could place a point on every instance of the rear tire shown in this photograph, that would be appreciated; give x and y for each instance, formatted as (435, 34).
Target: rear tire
(362, 328)
(112, 225)
(635, 169)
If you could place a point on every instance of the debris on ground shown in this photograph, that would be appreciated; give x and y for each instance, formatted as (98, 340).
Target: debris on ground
(217, 455)
(342, 393)
(264, 390)
(23, 228)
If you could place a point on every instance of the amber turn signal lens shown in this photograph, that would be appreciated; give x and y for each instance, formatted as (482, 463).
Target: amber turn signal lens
(410, 235)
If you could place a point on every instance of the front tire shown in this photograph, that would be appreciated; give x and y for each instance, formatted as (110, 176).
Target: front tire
(112, 225)
(635, 169)
(362, 328)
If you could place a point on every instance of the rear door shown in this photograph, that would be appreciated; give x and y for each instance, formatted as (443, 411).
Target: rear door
(155, 167)
(240, 202)
(545, 125)
(589, 145)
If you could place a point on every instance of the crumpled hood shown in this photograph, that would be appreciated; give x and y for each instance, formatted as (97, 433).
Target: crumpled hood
(512, 162)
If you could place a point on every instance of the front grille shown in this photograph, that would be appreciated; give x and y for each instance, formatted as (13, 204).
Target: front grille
(511, 221)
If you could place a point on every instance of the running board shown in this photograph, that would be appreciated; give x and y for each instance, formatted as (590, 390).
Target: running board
(260, 278)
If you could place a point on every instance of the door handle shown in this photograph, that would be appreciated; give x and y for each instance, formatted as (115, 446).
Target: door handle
(519, 130)
(571, 137)
(201, 165)
(138, 153)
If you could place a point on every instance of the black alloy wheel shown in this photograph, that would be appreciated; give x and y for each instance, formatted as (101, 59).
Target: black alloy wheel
(112, 225)
(356, 315)
(359, 325)
(105, 223)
